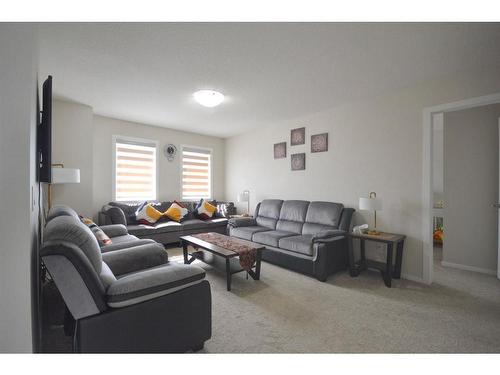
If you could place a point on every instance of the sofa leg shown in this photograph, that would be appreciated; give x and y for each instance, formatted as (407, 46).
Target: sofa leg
(199, 347)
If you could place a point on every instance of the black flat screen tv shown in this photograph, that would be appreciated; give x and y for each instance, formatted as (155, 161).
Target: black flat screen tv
(45, 133)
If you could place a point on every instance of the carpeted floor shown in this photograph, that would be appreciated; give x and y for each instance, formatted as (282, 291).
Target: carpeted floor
(289, 312)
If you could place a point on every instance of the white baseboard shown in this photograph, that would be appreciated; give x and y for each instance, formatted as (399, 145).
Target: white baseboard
(413, 278)
(468, 268)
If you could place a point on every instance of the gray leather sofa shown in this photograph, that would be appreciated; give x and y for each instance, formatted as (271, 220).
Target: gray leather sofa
(308, 237)
(130, 299)
(165, 232)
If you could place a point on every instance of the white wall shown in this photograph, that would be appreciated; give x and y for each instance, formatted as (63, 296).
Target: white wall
(437, 158)
(72, 137)
(19, 214)
(375, 145)
(471, 187)
(84, 140)
(169, 172)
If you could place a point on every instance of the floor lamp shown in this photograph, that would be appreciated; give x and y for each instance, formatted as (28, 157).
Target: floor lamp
(245, 197)
(61, 175)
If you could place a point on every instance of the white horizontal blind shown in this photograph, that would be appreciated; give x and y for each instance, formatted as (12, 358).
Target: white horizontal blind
(135, 170)
(196, 173)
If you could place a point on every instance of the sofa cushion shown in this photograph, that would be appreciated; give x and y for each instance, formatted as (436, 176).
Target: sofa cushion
(292, 216)
(246, 233)
(146, 230)
(124, 238)
(271, 237)
(126, 244)
(299, 244)
(102, 238)
(194, 224)
(218, 221)
(147, 214)
(322, 216)
(269, 213)
(152, 283)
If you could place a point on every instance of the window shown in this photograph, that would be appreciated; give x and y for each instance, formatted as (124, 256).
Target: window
(135, 169)
(196, 173)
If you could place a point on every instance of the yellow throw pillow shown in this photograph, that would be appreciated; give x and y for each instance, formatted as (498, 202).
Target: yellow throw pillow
(205, 210)
(148, 215)
(176, 212)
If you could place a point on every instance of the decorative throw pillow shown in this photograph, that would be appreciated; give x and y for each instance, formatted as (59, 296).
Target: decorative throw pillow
(99, 234)
(176, 212)
(205, 210)
(146, 214)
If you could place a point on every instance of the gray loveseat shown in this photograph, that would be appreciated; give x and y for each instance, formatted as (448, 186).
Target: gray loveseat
(165, 232)
(308, 237)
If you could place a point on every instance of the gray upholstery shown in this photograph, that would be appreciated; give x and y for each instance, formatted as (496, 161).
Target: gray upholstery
(69, 229)
(61, 211)
(193, 224)
(246, 233)
(135, 258)
(153, 282)
(146, 230)
(242, 222)
(302, 244)
(271, 237)
(71, 285)
(327, 235)
(124, 242)
(308, 237)
(322, 216)
(116, 214)
(114, 230)
(269, 213)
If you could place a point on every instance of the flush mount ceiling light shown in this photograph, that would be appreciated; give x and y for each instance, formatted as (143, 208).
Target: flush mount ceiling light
(208, 98)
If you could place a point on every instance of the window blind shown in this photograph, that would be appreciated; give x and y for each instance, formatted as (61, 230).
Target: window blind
(135, 171)
(196, 173)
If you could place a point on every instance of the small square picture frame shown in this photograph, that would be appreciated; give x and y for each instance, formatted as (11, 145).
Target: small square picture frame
(298, 161)
(298, 136)
(280, 150)
(319, 142)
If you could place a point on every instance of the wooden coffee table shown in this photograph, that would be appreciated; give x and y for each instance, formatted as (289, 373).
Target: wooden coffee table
(219, 257)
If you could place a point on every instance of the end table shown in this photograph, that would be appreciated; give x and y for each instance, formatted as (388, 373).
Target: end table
(387, 269)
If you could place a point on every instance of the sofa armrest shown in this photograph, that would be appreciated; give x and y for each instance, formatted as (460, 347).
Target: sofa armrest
(114, 230)
(329, 235)
(135, 258)
(113, 214)
(345, 219)
(236, 222)
(152, 283)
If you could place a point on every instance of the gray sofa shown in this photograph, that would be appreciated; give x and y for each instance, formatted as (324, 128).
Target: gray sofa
(165, 232)
(308, 237)
(128, 299)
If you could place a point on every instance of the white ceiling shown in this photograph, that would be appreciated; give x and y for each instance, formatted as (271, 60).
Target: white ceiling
(269, 72)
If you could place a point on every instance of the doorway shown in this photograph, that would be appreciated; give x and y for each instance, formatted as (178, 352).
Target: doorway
(431, 119)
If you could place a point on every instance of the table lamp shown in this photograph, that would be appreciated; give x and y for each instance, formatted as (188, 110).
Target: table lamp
(61, 175)
(372, 203)
(245, 197)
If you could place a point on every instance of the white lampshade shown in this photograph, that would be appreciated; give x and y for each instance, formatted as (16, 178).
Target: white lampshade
(65, 176)
(370, 204)
(244, 197)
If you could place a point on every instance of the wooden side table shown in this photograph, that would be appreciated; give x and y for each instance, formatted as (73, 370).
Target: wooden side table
(387, 269)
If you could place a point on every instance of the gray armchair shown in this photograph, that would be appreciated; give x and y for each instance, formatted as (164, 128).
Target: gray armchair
(128, 300)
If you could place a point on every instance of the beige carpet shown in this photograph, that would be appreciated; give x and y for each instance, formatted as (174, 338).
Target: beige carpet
(289, 312)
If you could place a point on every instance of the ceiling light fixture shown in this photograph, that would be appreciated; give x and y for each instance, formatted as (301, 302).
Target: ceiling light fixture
(208, 98)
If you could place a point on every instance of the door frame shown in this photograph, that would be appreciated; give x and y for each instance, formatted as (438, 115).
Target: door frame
(427, 171)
